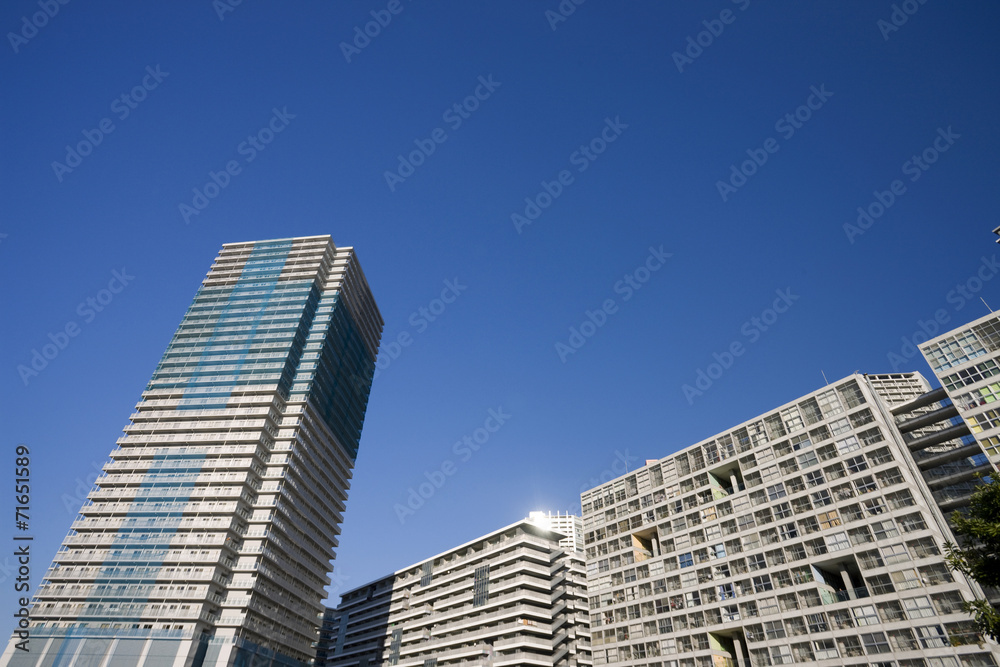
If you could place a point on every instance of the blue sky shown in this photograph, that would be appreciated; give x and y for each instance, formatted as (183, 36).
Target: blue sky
(620, 144)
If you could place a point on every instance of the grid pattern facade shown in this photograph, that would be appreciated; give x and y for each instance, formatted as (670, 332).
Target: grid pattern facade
(513, 597)
(207, 540)
(804, 535)
(967, 363)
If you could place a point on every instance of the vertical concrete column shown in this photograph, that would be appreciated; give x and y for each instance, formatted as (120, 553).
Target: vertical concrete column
(738, 650)
(848, 584)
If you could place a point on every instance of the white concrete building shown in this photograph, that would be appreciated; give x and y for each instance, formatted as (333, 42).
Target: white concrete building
(806, 535)
(512, 597)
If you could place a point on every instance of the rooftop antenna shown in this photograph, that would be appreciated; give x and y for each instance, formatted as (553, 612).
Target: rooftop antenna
(986, 304)
(824, 376)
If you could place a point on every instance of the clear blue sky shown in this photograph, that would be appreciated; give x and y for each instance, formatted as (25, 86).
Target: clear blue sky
(669, 137)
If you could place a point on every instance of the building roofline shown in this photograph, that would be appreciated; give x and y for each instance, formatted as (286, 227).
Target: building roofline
(558, 536)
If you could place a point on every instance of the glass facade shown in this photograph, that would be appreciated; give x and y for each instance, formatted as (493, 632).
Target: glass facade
(207, 540)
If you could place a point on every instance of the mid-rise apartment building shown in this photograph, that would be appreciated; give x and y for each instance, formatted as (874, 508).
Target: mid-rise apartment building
(809, 534)
(513, 597)
(966, 361)
(209, 535)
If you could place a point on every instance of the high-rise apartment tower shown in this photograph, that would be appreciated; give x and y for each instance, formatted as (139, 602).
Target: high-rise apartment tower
(208, 538)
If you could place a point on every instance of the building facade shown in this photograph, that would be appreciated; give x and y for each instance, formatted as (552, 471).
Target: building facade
(512, 597)
(567, 524)
(208, 538)
(966, 361)
(806, 535)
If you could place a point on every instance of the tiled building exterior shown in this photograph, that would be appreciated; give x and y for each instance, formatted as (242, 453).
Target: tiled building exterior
(806, 535)
(208, 539)
(512, 597)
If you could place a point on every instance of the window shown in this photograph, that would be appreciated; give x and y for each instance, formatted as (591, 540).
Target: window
(890, 477)
(912, 522)
(880, 456)
(850, 646)
(782, 511)
(848, 445)
(817, 622)
(834, 471)
(919, 607)
(776, 491)
(931, 575)
(829, 519)
(880, 583)
(717, 551)
(481, 586)
(825, 649)
(865, 484)
(781, 655)
(856, 464)
(821, 498)
(890, 611)
(806, 460)
(884, 529)
(895, 553)
(874, 506)
(788, 531)
(762, 583)
(837, 541)
(756, 562)
(840, 426)
(865, 615)
(949, 602)
(686, 559)
(726, 592)
(875, 642)
(774, 630)
(869, 559)
(931, 636)
(814, 478)
(860, 535)
(809, 525)
(768, 606)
